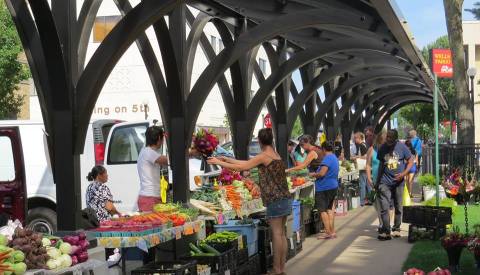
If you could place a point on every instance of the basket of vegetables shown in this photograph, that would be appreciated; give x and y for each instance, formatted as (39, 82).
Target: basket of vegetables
(223, 241)
(205, 254)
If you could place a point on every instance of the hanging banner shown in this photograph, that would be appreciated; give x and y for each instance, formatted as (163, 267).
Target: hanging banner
(442, 64)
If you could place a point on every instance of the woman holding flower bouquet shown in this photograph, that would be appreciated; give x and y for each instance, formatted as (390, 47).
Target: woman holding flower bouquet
(274, 189)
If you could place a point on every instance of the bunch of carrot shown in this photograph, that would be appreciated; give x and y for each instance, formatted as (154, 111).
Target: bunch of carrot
(5, 267)
(233, 197)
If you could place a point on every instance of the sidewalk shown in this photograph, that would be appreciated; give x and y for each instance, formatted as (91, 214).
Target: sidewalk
(356, 250)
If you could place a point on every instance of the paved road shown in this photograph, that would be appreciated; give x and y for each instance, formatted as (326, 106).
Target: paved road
(356, 250)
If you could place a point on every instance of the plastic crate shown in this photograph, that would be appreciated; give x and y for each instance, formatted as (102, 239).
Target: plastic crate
(224, 261)
(175, 268)
(427, 216)
(296, 212)
(249, 230)
(242, 255)
(224, 247)
(306, 211)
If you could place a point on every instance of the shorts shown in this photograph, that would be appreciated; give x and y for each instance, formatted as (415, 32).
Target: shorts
(413, 170)
(324, 200)
(279, 208)
(146, 203)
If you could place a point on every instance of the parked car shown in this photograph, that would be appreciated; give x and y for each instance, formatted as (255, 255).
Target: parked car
(253, 148)
(26, 180)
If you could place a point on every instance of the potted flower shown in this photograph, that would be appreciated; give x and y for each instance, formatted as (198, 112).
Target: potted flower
(474, 245)
(427, 181)
(458, 187)
(454, 243)
(205, 142)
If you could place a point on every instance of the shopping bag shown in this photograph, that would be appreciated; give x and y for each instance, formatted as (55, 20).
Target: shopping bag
(163, 189)
(406, 196)
(361, 164)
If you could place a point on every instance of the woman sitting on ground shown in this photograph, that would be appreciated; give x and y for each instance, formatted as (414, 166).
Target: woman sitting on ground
(99, 198)
(274, 189)
(326, 186)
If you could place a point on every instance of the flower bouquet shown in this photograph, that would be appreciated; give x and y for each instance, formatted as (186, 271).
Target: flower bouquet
(227, 176)
(454, 243)
(205, 142)
(458, 187)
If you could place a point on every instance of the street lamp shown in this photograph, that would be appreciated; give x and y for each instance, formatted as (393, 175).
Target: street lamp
(471, 72)
(145, 108)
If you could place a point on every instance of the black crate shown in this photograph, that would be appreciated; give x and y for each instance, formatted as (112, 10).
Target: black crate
(254, 265)
(266, 262)
(416, 233)
(264, 236)
(174, 268)
(223, 247)
(303, 233)
(427, 216)
(226, 260)
(306, 212)
(292, 246)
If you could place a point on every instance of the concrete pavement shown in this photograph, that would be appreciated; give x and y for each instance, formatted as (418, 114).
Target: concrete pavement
(356, 250)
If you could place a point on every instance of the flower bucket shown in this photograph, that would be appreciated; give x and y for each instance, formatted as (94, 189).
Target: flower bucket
(477, 258)
(429, 192)
(454, 254)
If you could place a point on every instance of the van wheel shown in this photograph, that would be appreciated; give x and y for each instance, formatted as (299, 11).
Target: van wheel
(42, 219)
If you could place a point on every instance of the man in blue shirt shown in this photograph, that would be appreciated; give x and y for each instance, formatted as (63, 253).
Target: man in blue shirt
(395, 163)
(417, 145)
(326, 185)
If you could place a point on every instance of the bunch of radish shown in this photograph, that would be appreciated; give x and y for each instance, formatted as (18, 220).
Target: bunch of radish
(30, 243)
(79, 244)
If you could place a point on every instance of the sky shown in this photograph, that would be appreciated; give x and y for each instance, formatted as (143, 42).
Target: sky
(426, 18)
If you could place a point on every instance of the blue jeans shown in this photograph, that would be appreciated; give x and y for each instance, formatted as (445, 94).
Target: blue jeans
(364, 187)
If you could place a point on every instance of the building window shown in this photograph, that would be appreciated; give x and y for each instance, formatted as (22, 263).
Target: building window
(263, 65)
(213, 41)
(103, 25)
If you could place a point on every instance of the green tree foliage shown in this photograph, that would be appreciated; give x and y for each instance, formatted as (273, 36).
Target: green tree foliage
(420, 115)
(475, 10)
(11, 70)
(297, 128)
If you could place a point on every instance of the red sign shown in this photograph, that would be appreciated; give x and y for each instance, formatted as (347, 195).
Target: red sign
(267, 121)
(442, 63)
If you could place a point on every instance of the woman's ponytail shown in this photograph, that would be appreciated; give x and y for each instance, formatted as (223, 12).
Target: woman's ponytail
(96, 170)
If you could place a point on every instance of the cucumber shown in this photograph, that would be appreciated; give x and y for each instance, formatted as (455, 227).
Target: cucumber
(203, 254)
(195, 249)
(209, 249)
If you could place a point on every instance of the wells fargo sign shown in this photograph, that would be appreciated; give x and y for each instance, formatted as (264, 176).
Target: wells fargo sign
(442, 62)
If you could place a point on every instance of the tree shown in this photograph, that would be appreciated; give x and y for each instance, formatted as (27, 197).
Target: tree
(12, 72)
(453, 14)
(297, 128)
(475, 10)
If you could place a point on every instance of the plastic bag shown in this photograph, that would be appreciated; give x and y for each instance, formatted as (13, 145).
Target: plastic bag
(9, 229)
(406, 196)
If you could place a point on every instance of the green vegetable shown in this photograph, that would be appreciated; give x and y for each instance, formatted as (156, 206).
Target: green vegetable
(222, 237)
(426, 180)
(3, 240)
(195, 249)
(205, 254)
(308, 201)
(209, 249)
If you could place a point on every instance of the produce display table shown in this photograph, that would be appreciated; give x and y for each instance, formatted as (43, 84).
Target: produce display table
(160, 235)
(303, 191)
(92, 266)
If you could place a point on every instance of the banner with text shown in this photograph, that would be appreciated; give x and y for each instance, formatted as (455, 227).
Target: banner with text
(442, 63)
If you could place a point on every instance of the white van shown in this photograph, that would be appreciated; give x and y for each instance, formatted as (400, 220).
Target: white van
(111, 143)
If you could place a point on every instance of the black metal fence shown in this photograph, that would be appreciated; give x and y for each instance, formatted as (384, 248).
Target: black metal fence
(451, 156)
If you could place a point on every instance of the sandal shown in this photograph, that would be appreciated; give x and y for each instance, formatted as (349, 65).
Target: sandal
(326, 237)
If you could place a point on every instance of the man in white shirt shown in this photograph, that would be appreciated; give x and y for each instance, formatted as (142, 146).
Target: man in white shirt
(148, 167)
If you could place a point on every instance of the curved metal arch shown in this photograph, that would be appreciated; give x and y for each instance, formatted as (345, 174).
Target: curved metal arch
(49, 38)
(335, 70)
(299, 60)
(255, 36)
(85, 21)
(371, 88)
(109, 52)
(381, 123)
(377, 95)
(377, 113)
(372, 112)
(36, 59)
(151, 63)
(369, 75)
